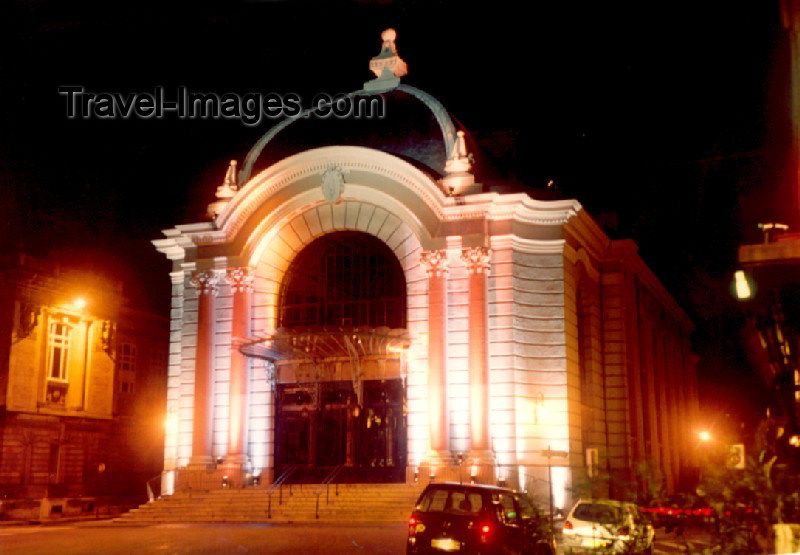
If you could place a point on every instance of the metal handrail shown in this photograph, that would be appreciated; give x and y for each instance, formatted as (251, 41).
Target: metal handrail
(326, 484)
(150, 495)
(278, 484)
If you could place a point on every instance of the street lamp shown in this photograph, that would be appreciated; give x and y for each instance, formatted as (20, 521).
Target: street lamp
(704, 436)
(741, 286)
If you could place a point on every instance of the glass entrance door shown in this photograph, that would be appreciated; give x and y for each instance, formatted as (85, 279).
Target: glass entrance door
(321, 426)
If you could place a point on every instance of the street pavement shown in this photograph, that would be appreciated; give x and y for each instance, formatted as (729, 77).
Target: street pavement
(107, 537)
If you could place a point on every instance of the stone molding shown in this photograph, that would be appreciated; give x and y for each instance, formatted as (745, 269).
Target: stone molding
(477, 259)
(206, 282)
(240, 279)
(435, 263)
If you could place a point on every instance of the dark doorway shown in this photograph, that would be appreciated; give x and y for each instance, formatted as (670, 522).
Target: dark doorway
(321, 426)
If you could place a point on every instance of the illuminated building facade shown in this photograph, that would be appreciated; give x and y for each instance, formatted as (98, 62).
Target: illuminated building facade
(358, 299)
(65, 417)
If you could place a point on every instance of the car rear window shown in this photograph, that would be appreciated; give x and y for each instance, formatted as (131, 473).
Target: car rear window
(450, 501)
(595, 512)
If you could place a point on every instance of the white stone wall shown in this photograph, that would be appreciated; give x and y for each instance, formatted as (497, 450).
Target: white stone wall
(187, 342)
(223, 308)
(503, 403)
(174, 366)
(540, 365)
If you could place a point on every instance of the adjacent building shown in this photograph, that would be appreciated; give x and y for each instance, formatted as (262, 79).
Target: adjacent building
(82, 376)
(360, 302)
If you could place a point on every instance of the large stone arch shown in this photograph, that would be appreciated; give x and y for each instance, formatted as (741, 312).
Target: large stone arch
(282, 210)
(294, 184)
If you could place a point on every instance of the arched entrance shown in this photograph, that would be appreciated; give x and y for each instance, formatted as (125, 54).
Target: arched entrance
(340, 391)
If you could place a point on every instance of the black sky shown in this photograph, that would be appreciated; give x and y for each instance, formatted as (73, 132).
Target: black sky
(667, 121)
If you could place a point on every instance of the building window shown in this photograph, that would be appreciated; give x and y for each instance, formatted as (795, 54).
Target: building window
(158, 362)
(345, 278)
(126, 366)
(57, 350)
(126, 360)
(53, 459)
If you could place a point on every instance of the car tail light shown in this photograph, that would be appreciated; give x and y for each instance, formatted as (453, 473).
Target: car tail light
(567, 525)
(415, 526)
(485, 530)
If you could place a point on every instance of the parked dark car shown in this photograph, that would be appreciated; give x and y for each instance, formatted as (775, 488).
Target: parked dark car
(477, 519)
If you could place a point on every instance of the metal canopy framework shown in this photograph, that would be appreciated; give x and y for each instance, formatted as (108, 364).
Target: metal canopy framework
(324, 345)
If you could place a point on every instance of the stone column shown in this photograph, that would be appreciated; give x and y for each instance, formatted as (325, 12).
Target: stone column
(477, 262)
(241, 282)
(202, 431)
(435, 263)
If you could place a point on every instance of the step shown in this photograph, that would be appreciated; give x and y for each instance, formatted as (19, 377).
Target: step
(354, 503)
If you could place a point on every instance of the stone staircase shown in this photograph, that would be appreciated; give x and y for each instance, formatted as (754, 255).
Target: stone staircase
(355, 503)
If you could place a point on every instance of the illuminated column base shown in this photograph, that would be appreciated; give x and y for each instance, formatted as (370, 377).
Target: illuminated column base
(200, 461)
(239, 458)
(481, 467)
(199, 478)
(234, 473)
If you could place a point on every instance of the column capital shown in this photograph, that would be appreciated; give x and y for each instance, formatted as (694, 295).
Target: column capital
(477, 259)
(240, 279)
(435, 263)
(205, 281)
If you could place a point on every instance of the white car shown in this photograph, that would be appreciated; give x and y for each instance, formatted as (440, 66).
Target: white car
(607, 526)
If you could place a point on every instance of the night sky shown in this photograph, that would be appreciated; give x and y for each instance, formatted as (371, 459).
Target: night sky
(667, 121)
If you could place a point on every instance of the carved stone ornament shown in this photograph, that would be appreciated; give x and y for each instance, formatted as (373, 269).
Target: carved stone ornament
(435, 263)
(206, 281)
(477, 259)
(240, 279)
(333, 184)
(28, 319)
(388, 63)
(225, 192)
(108, 337)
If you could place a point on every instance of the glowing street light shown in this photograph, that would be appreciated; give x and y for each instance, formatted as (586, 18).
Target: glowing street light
(742, 286)
(704, 436)
(79, 303)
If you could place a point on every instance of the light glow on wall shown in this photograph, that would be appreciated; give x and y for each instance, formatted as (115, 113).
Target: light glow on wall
(168, 482)
(560, 479)
(417, 421)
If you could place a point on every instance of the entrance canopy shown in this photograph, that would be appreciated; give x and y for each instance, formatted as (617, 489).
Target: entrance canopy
(325, 343)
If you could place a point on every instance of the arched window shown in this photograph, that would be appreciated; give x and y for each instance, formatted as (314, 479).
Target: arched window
(344, 279)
